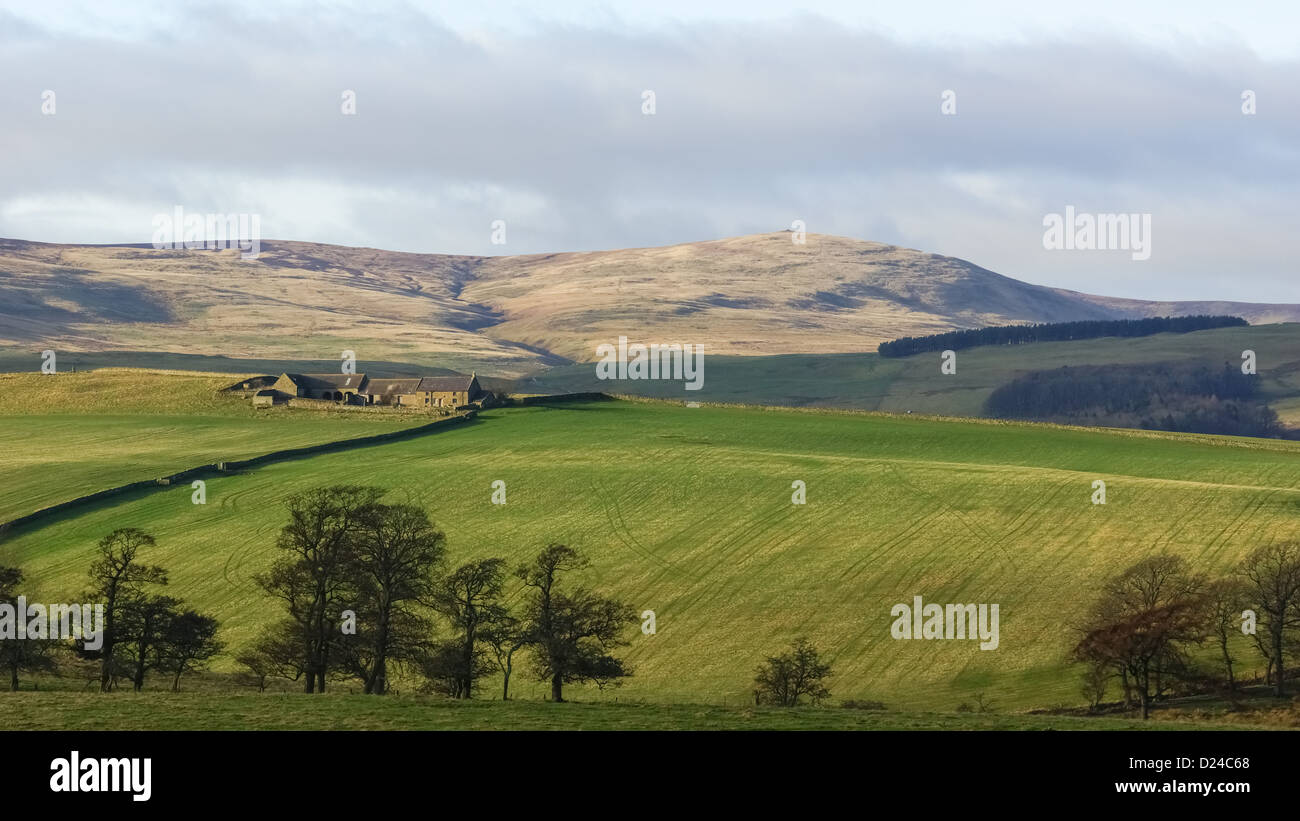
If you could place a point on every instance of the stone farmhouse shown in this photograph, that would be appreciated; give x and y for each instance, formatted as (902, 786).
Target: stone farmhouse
(426, 392)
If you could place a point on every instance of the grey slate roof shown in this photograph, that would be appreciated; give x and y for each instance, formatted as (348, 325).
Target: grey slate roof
(390, 387)
(335, 381)
(444, 384)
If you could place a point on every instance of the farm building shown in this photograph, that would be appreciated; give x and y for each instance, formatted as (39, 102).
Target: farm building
(358, 389)
(339, 387)
(251, 386)
(425, 392)
(401, 392)
(267, 398)
(449, 391)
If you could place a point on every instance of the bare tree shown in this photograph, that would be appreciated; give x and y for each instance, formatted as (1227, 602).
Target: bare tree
(786, 678)
(1096, 680)
(1145, 644)
(142, 631)
(278, 653)
(314, 576)
(470, 598)
(450, 672)
(31, 655)
(1151, 582)
(571, 632)
(1225, 599)
(505, 637)
(1272, 574)
(1144, 619)
(189, 644)
(117, 580)
(399, 556)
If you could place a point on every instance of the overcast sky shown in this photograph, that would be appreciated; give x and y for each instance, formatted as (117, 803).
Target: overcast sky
(765, 113)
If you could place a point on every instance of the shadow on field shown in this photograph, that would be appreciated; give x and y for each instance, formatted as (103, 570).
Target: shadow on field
(114, 496)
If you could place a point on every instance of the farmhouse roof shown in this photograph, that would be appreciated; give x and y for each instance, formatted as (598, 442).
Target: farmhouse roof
(442, 384)
(353, 381)
(390, 387)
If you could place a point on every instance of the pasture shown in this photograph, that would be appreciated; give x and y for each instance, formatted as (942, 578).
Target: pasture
(868, 381)
(342, 711)
(69, 434)
(688, 512)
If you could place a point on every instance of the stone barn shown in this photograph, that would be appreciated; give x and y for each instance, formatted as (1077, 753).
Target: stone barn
(396, 392)
(427, 392)
(336, 387)
(267, 398)
(449, 391)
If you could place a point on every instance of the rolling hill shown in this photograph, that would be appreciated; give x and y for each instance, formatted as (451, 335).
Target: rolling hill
(914, 384)
(512, 315)
(688, 512)
(110, 427)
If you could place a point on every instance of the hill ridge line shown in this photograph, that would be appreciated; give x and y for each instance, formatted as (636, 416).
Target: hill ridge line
(750, 295)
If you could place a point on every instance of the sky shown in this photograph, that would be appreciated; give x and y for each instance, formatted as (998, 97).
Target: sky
(764, 113)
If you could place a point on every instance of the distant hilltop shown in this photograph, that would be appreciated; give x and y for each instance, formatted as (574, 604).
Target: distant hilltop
(750, 295)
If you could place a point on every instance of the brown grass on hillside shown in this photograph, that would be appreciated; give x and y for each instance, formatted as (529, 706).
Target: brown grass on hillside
(760, 294)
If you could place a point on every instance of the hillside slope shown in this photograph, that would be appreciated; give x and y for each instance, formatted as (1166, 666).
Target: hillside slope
(688, 512)
(100, 429)
(509, 315)
(914, 384)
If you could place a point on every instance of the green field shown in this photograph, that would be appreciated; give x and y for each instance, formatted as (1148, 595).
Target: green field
(340, 711)
(687, 512)
(862, 381)
(69, 434)
(873, 382)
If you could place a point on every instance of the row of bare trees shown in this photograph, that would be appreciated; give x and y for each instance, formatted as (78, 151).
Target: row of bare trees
(143, 630)
(367, 594)
(1146, 627)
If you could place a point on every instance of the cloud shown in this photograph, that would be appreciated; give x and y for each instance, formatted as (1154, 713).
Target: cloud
(756, 124)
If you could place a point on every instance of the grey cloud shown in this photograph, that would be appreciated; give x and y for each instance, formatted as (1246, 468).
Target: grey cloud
(756, 125)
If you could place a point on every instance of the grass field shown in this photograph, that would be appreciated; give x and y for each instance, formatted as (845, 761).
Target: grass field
(339, 711)
(863, 381)
(65, 435)
(869, 381)
(687, 512)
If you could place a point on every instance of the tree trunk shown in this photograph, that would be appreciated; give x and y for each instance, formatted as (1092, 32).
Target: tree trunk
(557, 694)
(505, 685)
(106, 645)
(13, 679)
(138, 677)
(379, 676)
(106, 667)
(1144, 691)
(1281, 668)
